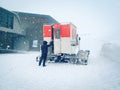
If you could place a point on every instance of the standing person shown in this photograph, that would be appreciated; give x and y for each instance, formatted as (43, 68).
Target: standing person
(44, 51)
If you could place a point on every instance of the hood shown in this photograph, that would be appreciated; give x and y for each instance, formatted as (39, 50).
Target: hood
(45, 42)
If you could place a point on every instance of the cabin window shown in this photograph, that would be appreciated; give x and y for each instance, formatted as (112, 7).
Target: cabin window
(57, 33)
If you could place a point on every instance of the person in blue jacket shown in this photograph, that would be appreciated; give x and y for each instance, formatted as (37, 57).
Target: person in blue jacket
(44, 51)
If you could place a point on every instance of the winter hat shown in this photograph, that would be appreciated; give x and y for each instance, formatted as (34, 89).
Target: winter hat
(44, 42)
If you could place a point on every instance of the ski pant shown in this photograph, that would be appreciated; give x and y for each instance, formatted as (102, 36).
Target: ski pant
(43, 59)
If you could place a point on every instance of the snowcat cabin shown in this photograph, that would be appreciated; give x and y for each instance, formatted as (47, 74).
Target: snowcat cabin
(67, 43)
(64, 37)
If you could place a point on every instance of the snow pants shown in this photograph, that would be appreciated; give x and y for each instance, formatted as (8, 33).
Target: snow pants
(43, 59)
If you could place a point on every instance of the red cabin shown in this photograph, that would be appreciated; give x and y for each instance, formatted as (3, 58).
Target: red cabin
(64, 37)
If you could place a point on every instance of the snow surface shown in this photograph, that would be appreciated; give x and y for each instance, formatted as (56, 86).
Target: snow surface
(21, 72)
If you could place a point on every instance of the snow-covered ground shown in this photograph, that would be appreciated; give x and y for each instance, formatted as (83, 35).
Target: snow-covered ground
(21, 72)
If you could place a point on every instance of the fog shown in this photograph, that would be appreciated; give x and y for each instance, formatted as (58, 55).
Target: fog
(97, 21)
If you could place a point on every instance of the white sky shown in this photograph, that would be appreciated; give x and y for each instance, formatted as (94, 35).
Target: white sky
(97, 18)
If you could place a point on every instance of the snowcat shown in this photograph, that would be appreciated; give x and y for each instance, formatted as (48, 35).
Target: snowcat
(65, 44)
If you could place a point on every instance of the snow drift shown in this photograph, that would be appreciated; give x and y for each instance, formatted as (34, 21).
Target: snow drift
(111, 51)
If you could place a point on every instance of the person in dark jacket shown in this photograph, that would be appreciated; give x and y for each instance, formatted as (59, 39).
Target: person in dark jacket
(44, 51)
